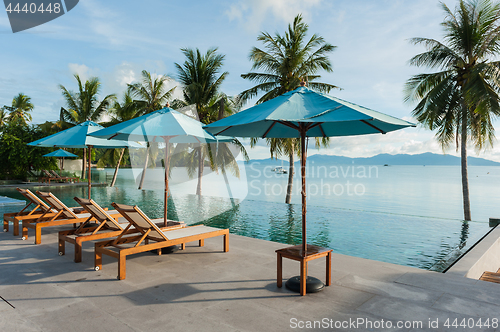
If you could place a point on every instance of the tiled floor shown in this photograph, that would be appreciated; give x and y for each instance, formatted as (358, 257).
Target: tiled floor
(205, 289)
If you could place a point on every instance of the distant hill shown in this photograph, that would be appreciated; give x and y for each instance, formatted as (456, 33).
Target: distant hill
(430, 159)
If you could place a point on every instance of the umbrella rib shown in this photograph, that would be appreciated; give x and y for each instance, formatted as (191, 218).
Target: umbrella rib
(314, 125)
(288, 124)
(268, 130)
(374, 127)
(322, 131)
(318, 124)
(220, 132)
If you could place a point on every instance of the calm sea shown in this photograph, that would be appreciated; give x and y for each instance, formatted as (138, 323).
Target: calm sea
(409, 215)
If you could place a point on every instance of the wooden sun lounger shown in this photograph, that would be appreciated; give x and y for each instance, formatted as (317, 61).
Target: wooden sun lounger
(63, 178)
(40, 210)
(107, 227)
(123, 246)
(47, 178)
(64, 216)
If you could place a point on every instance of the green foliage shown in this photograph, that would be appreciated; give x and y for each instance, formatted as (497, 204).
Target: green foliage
(17, 157)
(110, 157)
(4, 117)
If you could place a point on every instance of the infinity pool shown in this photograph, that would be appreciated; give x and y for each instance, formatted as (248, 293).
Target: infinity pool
(423, 242)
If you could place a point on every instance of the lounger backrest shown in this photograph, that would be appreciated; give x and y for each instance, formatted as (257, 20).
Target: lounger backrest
(34, 199)
(47, 173)
(54, 174)
(97, 212)
(139, 219)
(56, 204)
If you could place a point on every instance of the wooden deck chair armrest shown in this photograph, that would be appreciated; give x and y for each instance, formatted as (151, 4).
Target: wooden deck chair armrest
(115, 241)
(143, 237)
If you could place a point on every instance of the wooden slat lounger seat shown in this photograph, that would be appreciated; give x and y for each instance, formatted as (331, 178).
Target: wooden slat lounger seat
(123, 246)
(40, 210)
(107, 227)
(491, 276)
(64, 216)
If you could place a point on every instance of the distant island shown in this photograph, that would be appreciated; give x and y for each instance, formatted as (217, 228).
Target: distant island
(427, 159)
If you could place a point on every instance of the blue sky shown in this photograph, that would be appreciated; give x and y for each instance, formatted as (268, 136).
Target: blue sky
(115, 40)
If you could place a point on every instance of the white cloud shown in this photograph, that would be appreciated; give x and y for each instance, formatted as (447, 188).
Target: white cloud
(116, 80)
(81, 70)
(254, 12)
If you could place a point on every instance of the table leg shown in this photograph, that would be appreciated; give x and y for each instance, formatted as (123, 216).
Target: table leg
(303, 276)
(279, 270)
(329, 269)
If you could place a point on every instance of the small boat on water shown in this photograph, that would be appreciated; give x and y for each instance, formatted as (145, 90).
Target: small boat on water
(280, 170)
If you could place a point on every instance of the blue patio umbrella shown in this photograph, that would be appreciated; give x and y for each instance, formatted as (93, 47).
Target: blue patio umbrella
(303, 113)
(78, 137)
(165, 125)
(61, 154)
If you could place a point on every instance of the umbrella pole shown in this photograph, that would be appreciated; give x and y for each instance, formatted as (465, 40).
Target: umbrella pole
(166, 139)
(303, 159)
(90, 183)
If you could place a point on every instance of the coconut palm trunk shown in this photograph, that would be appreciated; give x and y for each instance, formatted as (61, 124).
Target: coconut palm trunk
(461, 98)
(201, 165)
(117, 167)
(465, 177)
(289, 187)
(143, 175)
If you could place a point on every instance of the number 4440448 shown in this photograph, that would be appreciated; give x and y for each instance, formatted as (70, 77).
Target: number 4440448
(471, 323)
(34, 8)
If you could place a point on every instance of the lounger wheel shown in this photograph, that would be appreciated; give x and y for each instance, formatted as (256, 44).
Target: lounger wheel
(23, 238)
(97, 268)
(61, 253)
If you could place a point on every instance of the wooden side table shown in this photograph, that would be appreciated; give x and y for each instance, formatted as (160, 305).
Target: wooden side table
(296, 253)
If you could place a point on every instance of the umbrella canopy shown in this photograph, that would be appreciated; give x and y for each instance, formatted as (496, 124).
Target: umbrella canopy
(60, 154)
(165, 125)
(154, 126)
(321, 115)
(78, 137)
(305, 113)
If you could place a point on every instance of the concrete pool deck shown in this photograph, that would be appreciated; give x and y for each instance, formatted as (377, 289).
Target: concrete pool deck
(205, 289)
(34, 185)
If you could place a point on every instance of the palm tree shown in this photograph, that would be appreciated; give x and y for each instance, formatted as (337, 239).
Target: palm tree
(201, 77)
(286, 61)
(20, 108)
(120, 112)
(461, 99)
(84, 105)
(4, 117)
(152, 95)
